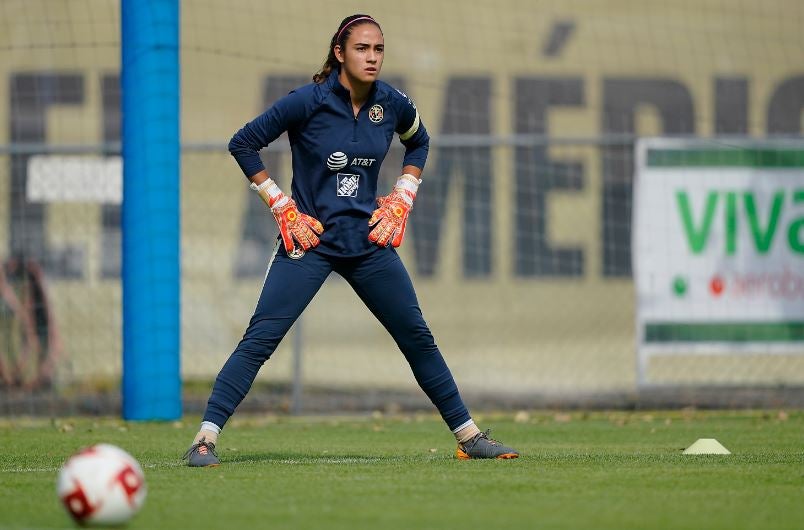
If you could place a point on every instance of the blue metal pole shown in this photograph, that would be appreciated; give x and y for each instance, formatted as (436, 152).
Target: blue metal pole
(151, 233)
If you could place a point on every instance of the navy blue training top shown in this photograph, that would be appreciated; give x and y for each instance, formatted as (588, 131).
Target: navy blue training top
(336, 156)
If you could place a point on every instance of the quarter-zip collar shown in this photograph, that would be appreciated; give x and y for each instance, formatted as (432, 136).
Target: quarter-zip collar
(343, 93)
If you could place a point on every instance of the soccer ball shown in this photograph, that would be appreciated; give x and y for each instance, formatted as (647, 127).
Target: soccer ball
(101, 485)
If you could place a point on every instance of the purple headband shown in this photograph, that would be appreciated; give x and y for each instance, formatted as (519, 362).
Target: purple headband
(358, 19)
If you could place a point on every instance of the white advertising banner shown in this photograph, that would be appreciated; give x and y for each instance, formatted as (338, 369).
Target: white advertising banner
(718, 245)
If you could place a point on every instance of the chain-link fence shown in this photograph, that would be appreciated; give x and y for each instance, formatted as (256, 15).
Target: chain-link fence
(520, 243)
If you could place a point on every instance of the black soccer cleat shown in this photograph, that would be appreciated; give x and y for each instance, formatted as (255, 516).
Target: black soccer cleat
(481, 446)
(202, 454)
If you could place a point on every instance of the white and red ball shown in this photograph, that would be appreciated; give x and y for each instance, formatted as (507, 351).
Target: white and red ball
(101, 485)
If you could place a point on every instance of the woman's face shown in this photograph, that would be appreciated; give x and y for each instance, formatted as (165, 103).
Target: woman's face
(362, 54)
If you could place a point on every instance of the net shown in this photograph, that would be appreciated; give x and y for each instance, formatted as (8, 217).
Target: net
(520, 244)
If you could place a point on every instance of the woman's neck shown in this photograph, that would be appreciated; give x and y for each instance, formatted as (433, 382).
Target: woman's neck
(358, 91)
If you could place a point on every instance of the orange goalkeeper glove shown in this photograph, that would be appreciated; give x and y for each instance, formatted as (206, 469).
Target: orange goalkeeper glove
(294, 226)
(391, 217)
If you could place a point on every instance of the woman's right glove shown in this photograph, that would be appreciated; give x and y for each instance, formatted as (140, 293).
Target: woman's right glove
(294, 226)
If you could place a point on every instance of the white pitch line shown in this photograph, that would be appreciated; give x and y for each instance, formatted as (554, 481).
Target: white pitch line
(31, 470)
(56, 469)
(286, 461)
(330, 461)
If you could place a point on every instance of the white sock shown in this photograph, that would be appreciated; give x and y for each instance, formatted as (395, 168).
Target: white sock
(465, 431)
(209, 432)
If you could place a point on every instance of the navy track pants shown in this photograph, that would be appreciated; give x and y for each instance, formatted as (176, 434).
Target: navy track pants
(381, 282)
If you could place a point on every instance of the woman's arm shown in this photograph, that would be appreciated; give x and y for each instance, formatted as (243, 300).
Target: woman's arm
(294, 226)
(246, 143)
(412, 170)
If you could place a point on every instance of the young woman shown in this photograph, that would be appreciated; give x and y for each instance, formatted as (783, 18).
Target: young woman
(340, 128)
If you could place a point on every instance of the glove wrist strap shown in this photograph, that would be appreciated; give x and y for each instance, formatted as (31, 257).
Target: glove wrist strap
(270, 193)
(408, 185)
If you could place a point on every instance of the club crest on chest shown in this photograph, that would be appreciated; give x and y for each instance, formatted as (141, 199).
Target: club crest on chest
(375, 113)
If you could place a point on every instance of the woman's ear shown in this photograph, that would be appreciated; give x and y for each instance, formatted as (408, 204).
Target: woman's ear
(339, 53)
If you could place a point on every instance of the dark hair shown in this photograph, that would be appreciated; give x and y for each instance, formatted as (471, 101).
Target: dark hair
(339, 39)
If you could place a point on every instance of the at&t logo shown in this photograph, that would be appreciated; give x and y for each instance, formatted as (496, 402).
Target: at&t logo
(336, 161)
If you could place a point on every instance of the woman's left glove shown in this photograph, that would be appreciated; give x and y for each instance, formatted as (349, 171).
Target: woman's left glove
(391, 216)
(293, 224)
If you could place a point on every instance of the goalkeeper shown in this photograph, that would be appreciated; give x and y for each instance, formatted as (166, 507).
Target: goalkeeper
(340, 128)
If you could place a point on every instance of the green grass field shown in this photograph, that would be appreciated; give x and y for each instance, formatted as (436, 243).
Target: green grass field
(613, 470)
